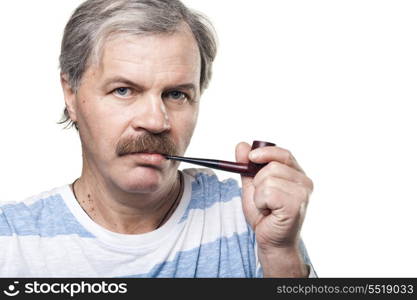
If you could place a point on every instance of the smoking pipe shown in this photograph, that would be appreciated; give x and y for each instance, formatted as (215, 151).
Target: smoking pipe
(245, 169)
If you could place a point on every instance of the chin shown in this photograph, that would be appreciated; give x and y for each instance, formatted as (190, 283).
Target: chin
(141, 180)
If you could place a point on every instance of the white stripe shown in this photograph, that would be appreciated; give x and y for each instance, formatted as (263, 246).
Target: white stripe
(67, 256)
(223, 219)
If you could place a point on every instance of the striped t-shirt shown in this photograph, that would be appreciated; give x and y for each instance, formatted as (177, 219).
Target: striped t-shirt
(50, 235)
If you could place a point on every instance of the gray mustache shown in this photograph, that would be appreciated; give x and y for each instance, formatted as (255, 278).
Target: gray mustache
(148, 143)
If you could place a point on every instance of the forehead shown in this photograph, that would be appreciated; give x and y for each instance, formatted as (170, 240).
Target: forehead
(172, 55)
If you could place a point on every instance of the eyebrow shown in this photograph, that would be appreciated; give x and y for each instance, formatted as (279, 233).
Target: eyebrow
(186, 86)
(120, 79)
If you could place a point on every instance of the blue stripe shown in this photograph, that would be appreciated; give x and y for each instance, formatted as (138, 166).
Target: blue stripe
(46, 217)
(306, 257)
(208, 190)
(225, 257)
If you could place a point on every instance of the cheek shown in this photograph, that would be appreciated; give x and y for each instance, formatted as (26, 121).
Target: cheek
(184, 128)
(99, 126)
(192, 123)
(95, 112)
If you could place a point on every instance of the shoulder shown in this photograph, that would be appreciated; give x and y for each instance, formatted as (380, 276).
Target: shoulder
(36, 215)
(46, 198)
(206, 183)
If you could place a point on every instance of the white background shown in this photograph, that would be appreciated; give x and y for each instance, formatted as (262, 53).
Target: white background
(333, 81)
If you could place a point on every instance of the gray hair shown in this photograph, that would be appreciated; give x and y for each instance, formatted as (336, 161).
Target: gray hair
(95, 21)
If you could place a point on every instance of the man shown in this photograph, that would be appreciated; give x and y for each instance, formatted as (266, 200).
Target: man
(132, 73)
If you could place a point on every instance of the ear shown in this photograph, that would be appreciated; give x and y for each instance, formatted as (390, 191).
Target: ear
(70, 97)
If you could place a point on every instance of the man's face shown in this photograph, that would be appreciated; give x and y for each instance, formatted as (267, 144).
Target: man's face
(143, 96)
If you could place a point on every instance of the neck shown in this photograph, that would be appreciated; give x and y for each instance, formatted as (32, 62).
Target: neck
(123, 212)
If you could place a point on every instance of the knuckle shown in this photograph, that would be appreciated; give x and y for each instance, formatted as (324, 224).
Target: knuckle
(269, 181)
(258, 198)
(289, 159)
(267, 191)
(287, 156)
(274, 165)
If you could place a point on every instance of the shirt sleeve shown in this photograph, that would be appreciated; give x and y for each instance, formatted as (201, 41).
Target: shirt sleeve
(307, 261)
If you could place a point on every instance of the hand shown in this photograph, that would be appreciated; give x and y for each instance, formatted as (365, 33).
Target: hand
(275, 200)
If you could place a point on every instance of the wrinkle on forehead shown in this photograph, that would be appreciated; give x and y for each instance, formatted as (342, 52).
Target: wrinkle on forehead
(148, 40)
(174, 56)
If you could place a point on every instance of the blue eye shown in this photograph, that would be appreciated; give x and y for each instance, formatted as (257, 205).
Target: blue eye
(123, 92)
(176, 95)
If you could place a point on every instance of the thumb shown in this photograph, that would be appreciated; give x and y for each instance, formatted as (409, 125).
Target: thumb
(242, 156)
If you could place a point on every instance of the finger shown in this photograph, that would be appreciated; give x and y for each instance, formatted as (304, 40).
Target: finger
(299, 193)
(241, 154)
(273, 153)
(272, 198)
(280, 170)
(242, 151)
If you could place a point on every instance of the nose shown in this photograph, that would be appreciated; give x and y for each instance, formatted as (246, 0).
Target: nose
(151, 114)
